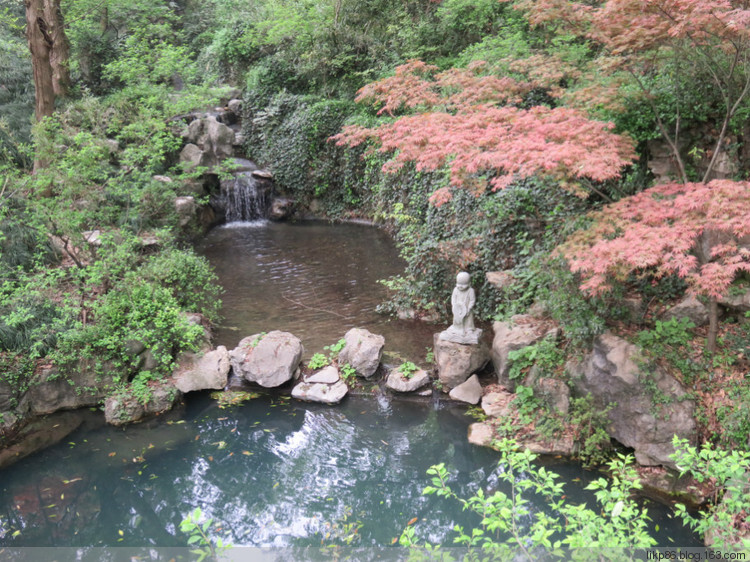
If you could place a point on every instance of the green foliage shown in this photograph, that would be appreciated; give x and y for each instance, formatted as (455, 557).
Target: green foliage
(335, 349)
(670, 341)
(722, 522)
(317, 361)
(16, 96)
(590, 424)
(198, 528)
(348, 373)
(510, 528)
(544, 354)
(407, 369)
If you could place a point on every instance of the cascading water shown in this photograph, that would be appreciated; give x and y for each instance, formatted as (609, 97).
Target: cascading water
(245, 200)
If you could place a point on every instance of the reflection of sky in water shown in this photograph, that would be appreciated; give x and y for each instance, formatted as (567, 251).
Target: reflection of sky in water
(270, 473)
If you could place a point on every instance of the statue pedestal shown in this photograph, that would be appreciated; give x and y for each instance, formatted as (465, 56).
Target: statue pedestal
(457, 361)
(453, 334)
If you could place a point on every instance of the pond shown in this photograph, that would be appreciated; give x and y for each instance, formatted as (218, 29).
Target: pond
(274, 472)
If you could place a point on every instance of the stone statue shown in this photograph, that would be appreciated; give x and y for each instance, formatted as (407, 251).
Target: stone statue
(462, 301)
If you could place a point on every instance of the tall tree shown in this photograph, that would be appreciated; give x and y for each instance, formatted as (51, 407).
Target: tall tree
(40, 45)
(50, 52)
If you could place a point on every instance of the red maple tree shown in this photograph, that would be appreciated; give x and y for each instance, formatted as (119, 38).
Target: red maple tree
(660, 229)
(462, 121)
(689, 229)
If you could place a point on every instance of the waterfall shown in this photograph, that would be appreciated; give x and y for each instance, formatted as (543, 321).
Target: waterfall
(244, 200)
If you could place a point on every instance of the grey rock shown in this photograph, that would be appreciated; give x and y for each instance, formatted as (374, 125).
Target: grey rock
(610, 373)
(500, 279)
(691, 308)
(739, 302)
(202, 372)
(320, 392)
(481, 434)
(162, 179)
(93, 237)
(186, 209)
(242, 165)
(147, 361)
(281, 208)
(327, 375)
(263, 174)
(121, 409)
(558, 445)
(497, 404)
(398, 382)
(193, 156)
(195, 131)
(51, 391)
(269, 360)
(456, 362)
(522, 331)
(362, 351)
(469, 391)
(218, 141)
(554, 393)
(235, 106)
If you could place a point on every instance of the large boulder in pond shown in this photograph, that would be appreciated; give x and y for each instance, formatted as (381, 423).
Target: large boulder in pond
(267, 359)
(399, 382)
(647, 408)
(122, 407)
(456, 362)
(320, 392)
(208, 371)
(469, 391)
(362, 351)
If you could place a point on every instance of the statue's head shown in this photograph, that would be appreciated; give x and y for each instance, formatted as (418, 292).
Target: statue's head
(462, 280)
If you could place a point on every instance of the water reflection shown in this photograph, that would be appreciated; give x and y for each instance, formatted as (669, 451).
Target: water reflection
(270, 473)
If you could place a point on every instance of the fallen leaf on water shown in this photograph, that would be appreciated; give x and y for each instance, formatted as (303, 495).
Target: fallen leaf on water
(111, 454)
(383, 442)
(394, 540)
(248, 453)
(412, 521)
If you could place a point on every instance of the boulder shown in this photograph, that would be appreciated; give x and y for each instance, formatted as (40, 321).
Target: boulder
(562, 444)
(51, 391)
(481, 434)
(218, 140)
(320, 392)
(469, 391)
(327, 375)
(500, 279)
(554, 393)
(122, 408)
(398, 382)
(648, 409)
(497, 404)
(362, 351)
(739, 301)
(202, 372)
(193, 156)
(456, 361)
(269, 360)
(186, 209)
(522, 331)
(235, 106)
(281, 208)
(691, 308)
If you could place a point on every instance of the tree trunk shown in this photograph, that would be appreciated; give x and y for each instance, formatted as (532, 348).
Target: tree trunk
(40, 45)
(60, 53)
(713, 325)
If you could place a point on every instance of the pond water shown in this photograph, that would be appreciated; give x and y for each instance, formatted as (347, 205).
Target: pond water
(273, 472)
(311, 279)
